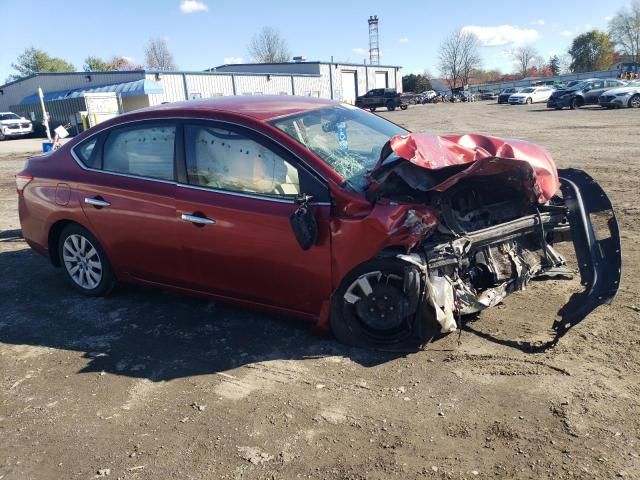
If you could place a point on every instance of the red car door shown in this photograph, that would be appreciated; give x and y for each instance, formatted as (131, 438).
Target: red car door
(236, 236)
(128, 196)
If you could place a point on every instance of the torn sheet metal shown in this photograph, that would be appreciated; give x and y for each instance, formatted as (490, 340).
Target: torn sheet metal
(460, 156)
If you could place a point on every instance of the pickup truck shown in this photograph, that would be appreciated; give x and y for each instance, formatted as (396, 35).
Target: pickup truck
(381, 97)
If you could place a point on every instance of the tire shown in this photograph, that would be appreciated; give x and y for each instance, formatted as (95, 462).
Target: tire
(634, 102)
(2, 137)
(360, 323)
(404, 107)
(391, 106)
(84, 262)
(558, 108)
(529, 101)
(372, 109)
(575, 103)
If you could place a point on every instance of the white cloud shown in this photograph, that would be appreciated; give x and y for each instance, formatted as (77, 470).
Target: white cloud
(403, 40)
(359, 51)
(502, 35)
(191, 6)
(608, 18)
(566, 33)
(128, 59)
(232, 60)
(540, 22)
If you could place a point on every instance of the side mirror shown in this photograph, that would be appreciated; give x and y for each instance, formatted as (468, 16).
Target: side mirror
(303, 222)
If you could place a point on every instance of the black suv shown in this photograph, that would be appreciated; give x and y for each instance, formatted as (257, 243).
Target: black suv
(586, 92)
(381, 97)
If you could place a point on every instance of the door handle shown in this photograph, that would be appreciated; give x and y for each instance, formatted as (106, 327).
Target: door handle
(189, 217)
(96, 202)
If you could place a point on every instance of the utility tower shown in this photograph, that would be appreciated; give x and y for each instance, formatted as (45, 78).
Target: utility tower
(374, 46)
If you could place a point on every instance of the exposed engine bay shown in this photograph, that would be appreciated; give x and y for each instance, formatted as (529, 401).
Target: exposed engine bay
(498, 218)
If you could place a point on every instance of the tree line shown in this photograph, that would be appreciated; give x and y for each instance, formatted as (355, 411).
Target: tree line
(267, 46)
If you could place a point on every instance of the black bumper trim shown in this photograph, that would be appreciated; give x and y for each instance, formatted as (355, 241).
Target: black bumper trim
(599, 260)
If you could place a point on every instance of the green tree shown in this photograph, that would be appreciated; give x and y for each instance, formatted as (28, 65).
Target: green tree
(554, 66)
(591, 51)
(96, 64)
(33, 61)
(416, 83)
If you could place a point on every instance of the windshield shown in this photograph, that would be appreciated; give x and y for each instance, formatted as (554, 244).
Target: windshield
(346, 138)
(579, 86)
(528, 90)
(635, 83)
(9, 116)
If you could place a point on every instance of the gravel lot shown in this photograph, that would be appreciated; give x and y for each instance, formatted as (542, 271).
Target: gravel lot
(151, 385)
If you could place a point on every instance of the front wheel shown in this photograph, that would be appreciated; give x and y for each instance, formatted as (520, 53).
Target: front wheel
(377, 305)
(84, 262)
(391, 106)
(529, 101)
(634, 102)
(575, 103)
(372, 109)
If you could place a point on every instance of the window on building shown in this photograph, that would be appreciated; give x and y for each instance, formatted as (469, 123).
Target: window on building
(143, 151)
(224, 160)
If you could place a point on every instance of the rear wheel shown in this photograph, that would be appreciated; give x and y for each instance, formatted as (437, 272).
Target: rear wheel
(84, 262)
(391, 106)
(634, 102)
(403, 107)
(377, 306)
(372, 109)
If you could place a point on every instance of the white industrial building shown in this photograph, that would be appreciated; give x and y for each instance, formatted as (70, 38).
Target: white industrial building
(64, 92)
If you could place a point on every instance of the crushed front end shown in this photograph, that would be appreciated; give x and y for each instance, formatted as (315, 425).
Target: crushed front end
(502, 206)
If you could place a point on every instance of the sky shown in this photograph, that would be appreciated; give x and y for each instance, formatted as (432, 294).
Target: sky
(207, 33)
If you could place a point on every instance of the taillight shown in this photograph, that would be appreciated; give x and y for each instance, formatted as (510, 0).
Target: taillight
(22, 180)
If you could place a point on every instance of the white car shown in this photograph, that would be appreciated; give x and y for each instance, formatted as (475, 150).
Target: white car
(12, 125)
(627, 96)
(531, 95)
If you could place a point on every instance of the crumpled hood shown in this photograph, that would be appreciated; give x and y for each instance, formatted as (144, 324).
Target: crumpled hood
(484, 155)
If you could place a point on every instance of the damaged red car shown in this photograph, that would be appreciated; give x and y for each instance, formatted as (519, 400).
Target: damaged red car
(315, 209)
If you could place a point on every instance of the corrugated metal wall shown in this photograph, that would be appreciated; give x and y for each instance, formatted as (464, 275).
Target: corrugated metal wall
(263, 85)
(172, 85)
(210, 85)
(14, 93)
(59, 111)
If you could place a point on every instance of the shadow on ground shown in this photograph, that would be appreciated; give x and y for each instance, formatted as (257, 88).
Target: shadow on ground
(148, 333)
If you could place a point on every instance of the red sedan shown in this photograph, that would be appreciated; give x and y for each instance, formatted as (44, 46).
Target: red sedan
(318, 210)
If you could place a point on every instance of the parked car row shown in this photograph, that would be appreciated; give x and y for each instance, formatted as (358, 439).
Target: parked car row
(606, 92)
(583, 93)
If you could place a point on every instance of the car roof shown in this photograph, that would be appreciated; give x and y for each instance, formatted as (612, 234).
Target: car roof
(258, 107)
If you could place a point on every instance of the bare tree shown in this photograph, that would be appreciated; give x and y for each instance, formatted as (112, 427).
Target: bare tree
(268, 46)
(525, 58)
(157, 55)
(458, 58)
(624, 29)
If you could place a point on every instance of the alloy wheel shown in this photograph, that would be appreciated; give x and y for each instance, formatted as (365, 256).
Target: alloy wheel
(635, 101)
(82, 261)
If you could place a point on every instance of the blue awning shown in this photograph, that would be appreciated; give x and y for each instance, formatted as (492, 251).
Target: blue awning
(126, 89)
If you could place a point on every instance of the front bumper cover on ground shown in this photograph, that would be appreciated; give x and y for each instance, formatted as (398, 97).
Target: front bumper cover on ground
(596, 240)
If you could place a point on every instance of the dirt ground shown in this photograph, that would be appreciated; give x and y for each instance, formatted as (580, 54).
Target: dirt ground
(152, 385)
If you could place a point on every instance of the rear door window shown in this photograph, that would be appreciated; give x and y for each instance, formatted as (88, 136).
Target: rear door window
(144, 151)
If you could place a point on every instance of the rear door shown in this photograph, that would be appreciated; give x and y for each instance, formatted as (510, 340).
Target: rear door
(235, 206)
(128, 197)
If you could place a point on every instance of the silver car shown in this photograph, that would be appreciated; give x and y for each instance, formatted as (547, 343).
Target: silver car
(621, 97)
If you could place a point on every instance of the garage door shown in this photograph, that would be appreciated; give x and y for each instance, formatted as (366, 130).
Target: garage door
(349, 89)
(381, 80)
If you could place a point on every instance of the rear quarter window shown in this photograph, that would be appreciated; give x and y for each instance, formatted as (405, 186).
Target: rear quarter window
(86, 153)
